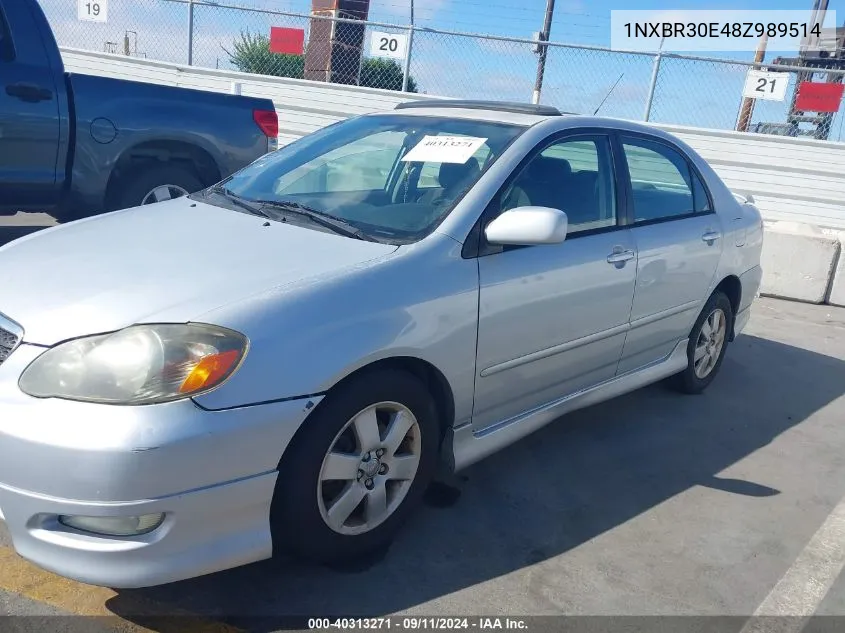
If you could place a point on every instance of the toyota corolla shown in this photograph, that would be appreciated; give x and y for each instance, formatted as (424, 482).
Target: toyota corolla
(283, 362)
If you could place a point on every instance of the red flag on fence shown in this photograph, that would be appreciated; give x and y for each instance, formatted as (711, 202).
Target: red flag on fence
(819, 97)
(289, 41)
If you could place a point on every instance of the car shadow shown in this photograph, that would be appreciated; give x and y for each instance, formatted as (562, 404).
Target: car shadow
(588, 473)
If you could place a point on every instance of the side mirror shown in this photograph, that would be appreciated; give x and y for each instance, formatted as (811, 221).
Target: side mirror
(528, 226)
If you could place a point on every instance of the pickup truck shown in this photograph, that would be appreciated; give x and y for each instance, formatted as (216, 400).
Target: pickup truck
(77, 145)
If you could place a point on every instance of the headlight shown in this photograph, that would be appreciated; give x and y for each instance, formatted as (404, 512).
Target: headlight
(143, 364)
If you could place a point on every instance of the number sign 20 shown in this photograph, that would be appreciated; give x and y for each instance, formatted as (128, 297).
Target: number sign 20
(392, 45)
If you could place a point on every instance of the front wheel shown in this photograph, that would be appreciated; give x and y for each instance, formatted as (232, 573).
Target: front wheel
(708, 342)
(357, 468)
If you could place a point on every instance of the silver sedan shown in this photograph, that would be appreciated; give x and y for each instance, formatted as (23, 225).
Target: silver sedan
(285, 361)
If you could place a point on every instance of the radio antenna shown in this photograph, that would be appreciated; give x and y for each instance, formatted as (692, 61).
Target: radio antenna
(612, 88)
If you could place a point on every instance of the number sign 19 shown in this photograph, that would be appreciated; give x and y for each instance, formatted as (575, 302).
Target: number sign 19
(92, 10)
(392, 45)
(770, 86)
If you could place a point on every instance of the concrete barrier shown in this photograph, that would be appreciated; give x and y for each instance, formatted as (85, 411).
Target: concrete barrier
(799, 262)
(837, 288)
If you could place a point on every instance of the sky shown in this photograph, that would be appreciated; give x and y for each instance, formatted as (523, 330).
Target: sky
(697, 93)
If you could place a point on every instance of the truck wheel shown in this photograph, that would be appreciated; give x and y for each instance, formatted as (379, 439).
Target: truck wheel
(156, 184)
(356, 470)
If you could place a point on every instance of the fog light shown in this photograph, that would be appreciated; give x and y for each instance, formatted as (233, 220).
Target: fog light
(114, 526)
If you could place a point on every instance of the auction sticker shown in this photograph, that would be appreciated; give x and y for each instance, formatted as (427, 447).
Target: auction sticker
(444, 149)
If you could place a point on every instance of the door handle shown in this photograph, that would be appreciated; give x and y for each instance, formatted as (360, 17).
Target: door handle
(29, 92)
(711, 236)
(620, 257)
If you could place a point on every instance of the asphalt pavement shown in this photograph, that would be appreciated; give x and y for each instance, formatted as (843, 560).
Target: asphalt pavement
(654, 504)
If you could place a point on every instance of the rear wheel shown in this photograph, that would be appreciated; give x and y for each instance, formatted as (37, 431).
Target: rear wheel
(357, 469)
(156, 184)
(708, 342)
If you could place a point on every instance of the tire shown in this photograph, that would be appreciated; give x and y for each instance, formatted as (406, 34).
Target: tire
(693, 380)
(133, 189)
(302, 500)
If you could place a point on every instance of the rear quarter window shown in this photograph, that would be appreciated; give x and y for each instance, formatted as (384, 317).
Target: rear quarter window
(664, 183)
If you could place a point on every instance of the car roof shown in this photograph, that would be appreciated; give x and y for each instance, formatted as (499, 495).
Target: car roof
(525, 115)
(514, 118)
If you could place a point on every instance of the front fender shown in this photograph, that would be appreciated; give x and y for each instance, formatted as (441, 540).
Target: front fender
(421, 302)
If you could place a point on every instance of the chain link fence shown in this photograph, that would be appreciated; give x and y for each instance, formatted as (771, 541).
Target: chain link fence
(151, 29)
(667, 88)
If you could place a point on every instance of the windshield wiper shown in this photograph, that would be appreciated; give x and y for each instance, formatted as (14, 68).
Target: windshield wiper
(243, 203)
(261, 207)
(338, 225)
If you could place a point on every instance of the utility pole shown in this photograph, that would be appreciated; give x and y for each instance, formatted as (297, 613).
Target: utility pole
(406, 67)
(544, 49)
(748, 103)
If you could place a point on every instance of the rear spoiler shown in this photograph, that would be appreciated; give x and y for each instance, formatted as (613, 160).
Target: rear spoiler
(743, 197)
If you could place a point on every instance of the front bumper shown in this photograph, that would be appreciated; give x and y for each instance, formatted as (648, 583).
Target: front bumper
(211, 473)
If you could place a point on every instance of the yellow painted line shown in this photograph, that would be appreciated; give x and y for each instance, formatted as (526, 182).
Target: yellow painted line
(25, 579)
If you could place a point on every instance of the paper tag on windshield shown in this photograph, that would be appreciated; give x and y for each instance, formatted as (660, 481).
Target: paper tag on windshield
(444, 149)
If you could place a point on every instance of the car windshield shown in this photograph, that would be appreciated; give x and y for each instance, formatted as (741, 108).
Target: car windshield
(391, 177)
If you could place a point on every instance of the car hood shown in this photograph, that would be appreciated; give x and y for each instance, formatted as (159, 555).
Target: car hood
(168, 262)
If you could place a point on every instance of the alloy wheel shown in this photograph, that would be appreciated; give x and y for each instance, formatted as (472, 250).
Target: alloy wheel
(369, 468)
(711, 340)
(164, 192)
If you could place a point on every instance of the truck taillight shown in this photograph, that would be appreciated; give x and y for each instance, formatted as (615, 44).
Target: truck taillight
(268, 121)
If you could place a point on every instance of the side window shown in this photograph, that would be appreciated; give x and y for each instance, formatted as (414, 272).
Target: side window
(7, 51)
(699, 192)
(575, 176)
(664, 185)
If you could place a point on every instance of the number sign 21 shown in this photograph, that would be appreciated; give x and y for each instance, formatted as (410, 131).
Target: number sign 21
(771, 86)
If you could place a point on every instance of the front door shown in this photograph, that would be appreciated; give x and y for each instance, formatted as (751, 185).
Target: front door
(29, 113)
(552, 318)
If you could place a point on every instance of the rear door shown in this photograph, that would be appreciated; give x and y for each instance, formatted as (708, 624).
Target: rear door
(678, 238)
(30, 123)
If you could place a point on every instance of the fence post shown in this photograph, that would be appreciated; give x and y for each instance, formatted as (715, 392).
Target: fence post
(655, 70)
(406, 70)
(190, 32)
